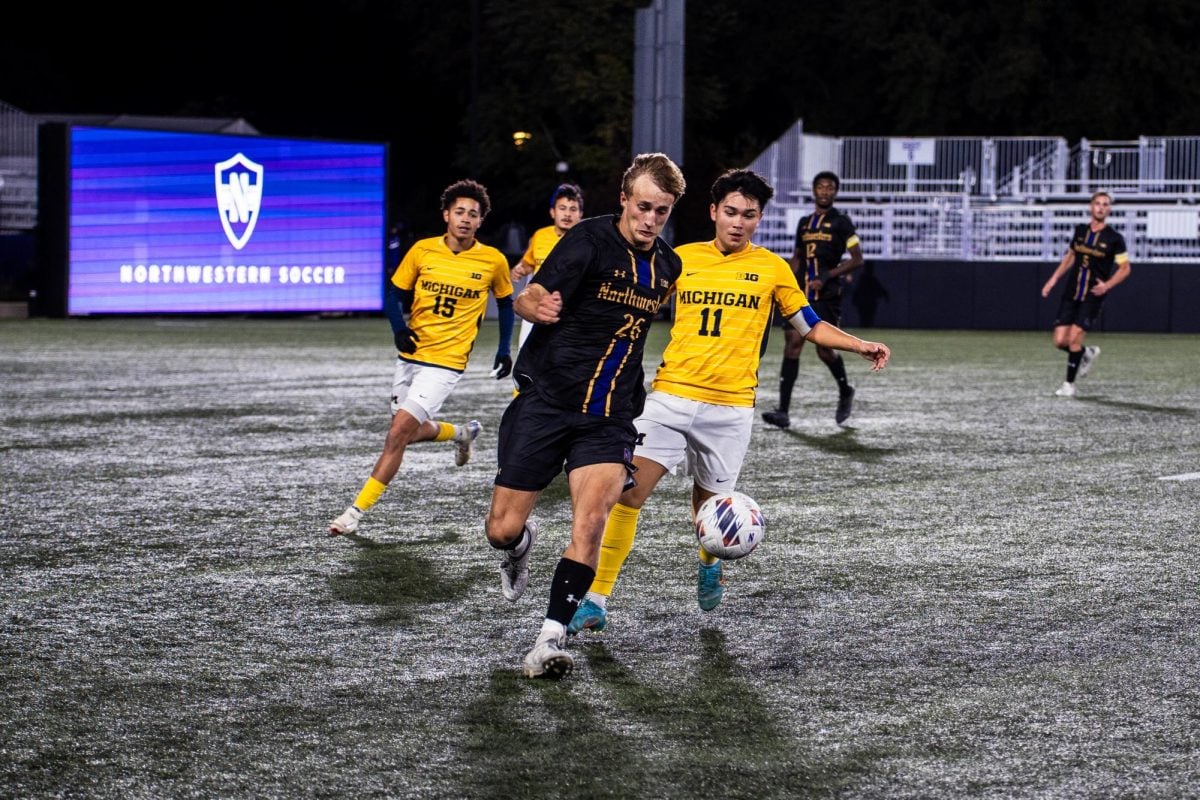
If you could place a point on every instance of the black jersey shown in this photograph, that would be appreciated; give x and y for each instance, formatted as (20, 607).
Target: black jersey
(591, 359)
(1096, 255)
(821, 239)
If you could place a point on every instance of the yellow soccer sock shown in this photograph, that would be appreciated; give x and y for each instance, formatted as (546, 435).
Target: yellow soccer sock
(618, 541)
(370, 494)
(445, 432)
(706, 559)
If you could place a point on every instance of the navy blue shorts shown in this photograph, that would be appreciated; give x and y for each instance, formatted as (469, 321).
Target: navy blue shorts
(1078, 312)
(537, 441)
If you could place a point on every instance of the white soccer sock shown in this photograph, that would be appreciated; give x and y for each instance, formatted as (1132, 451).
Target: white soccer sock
(523, 544)
(552, 629)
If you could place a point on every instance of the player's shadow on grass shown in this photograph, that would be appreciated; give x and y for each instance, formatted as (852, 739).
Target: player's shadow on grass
(718, 716)
(398, 583)
(842, 443)
(537, 738)
(1140, 407)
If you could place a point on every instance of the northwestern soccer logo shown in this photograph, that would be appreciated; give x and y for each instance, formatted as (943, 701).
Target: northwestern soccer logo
(239, 195)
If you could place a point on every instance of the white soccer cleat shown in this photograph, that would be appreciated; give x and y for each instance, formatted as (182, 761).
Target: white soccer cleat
(548, 659)
(1066, 390)
(346, 523)
(464, 440)
(514, 571)
(1085, 363)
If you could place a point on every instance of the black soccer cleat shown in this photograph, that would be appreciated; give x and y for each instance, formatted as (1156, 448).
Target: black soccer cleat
(777, 418)
(845, 405)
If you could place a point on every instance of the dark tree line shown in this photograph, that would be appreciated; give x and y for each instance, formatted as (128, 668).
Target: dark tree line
(858, 67)
(408, 73)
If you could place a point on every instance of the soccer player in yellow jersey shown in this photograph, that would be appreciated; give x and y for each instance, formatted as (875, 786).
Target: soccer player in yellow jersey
(701, 405)
(566, 208)
(443, 282)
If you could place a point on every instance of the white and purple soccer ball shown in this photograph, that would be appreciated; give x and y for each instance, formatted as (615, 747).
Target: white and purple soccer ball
(730, 525)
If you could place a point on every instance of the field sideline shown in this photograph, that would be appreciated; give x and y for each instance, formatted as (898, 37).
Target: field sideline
(976, 589)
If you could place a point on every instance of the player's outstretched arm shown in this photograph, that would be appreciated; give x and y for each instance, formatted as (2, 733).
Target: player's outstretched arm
(1062, 267)
(826, 334)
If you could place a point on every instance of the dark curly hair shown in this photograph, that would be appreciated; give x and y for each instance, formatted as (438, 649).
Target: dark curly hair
(468, 188)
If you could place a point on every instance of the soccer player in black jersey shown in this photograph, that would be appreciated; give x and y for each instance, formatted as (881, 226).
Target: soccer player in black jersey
(700, 409)
(1098, 261)
(821, 239)
(580, 386)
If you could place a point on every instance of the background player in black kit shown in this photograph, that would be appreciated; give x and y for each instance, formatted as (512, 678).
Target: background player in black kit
(580, 385)
(1098, 261)
(821, 239)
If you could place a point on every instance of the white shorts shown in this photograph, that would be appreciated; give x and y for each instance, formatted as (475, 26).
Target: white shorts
(420, 390)
(712, 438)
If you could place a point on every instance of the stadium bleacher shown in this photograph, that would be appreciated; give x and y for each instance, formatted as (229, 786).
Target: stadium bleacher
(989, 198)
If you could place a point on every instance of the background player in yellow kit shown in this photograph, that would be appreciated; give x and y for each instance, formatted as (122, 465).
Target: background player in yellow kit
(701, 406)
(444, 281)
(566, 208)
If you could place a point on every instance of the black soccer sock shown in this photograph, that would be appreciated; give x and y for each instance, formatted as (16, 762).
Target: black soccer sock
(570, 584)
(1073, 359)
(838, 368)
(787, 379)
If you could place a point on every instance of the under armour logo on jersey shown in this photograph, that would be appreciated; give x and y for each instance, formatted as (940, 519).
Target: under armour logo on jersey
(239, 186)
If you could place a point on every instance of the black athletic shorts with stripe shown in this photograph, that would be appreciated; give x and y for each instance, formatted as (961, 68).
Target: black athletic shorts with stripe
(1078, 312)
(537, 441)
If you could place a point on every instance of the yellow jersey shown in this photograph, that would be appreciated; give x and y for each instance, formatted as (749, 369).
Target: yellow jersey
(723, 306)
(449, 297)
(540, 245)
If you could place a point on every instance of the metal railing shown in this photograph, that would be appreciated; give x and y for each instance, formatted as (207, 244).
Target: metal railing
(992, 198)
(947, 228)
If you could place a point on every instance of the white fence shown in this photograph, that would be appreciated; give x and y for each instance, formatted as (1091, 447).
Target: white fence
(949, 228)
(989, 199)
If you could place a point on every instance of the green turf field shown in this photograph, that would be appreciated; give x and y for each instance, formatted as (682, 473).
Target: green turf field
(977, 589)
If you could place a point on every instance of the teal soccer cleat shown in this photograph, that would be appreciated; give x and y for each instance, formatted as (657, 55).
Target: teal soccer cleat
(589, 616)
(710, 585)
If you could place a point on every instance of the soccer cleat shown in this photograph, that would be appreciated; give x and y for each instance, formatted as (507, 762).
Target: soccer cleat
(1089, 358)
(548, 659)
(1066, 390)
(464, 440)
(589, 616)
(710, 585)
(346, 523)
(777, 418)
(845, 404)
(514, 571)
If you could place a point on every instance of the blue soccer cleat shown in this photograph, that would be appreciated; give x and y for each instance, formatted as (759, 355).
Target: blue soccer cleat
(589, 616)
(710, 585)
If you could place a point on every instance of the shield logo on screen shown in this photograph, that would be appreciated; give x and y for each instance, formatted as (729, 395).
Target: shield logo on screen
(239, 195)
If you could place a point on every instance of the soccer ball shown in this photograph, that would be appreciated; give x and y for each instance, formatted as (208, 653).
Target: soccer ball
(730, 525)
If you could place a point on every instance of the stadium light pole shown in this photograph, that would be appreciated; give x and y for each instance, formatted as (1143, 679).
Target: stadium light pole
(473, 114)
(658, 81)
